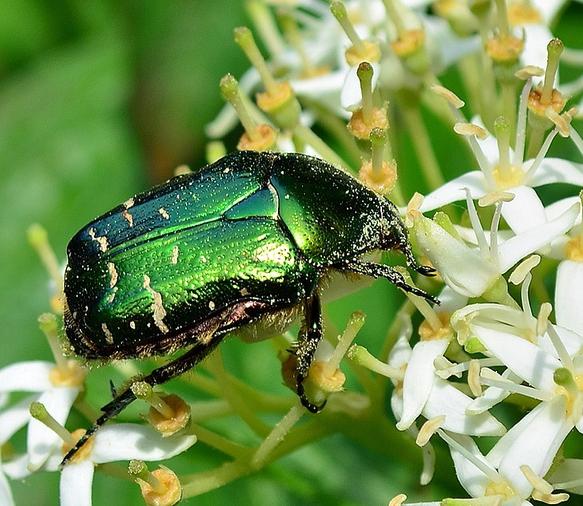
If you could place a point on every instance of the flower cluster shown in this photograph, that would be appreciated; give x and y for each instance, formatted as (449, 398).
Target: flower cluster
(344, 81)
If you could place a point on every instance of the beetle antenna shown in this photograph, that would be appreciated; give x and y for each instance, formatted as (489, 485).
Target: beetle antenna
(109, 411)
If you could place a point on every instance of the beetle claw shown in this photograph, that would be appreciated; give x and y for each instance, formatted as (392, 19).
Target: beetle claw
(426, 270)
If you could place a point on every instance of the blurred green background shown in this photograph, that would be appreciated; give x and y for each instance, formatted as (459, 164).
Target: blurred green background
(98, 100)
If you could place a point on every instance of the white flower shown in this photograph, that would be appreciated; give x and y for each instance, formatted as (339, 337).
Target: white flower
(479, 476)
(6, 498)
(568, 475)
(553, 369)
(112, 443)
(55, 387)
(472, 271)
(423, 392)
(502, 170)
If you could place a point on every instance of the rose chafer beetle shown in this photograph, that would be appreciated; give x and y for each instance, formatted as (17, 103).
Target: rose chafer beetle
(245, 244)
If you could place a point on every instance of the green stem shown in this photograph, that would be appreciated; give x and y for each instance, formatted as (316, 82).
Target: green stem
(203, 383)
(509, 106)
(309, 137)
(219, 442)
(199, 483)
(239, 404)
(337, 129)
(422, 144)
(207, 410)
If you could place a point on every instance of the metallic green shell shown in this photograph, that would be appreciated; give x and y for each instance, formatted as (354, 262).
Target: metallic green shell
(251, 227)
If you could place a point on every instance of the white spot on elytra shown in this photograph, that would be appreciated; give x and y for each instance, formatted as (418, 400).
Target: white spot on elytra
(157, 308)
(133, 325)
(108, 334)
(128, 217)
(112, 274)
(111, 296)
(175, 253)
(212, 305)
(164, 213)
(102, 241)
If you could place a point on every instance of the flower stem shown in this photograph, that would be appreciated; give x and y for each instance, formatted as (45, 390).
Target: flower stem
(423, 147)
(309, 137)
(277, 435)
(219, 442)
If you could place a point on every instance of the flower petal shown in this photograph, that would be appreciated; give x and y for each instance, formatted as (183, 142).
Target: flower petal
(14, 418)
(523, 358)
(491, 396)
(568, 470)
(26, 377)
(536, 445)
(461, 267)
(525, 211)
(572, 341)
(351, 95)
(568, 295)
(455, 190)
(556, 170)
(325, 89)
(6, 498)
(445, 47)
(127, 441)
(41, 441)
(557, 208)
(447, 400)
(76, 481)
(451, 300)
(419, 378)
(470, 477)
(521, 245)
(17, 468)
(535, 47)
(400, 353)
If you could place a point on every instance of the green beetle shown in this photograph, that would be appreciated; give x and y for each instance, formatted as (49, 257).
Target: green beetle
(244, 244)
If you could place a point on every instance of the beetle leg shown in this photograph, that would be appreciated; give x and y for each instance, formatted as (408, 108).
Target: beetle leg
(306, 347)
(157, 376)
(425, 270)
(387, 272)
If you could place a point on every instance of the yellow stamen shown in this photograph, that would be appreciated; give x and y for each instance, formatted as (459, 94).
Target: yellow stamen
(428, 429)
(398, 500)
(528, 72)
(468, 129)
(524, 268)
(448, 95)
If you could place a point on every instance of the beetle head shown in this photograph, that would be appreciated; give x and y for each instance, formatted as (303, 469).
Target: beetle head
(394, 236)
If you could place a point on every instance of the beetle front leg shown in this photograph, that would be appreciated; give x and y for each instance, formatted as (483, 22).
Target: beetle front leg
(160, 375)
(307, 344)
(389, 273)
